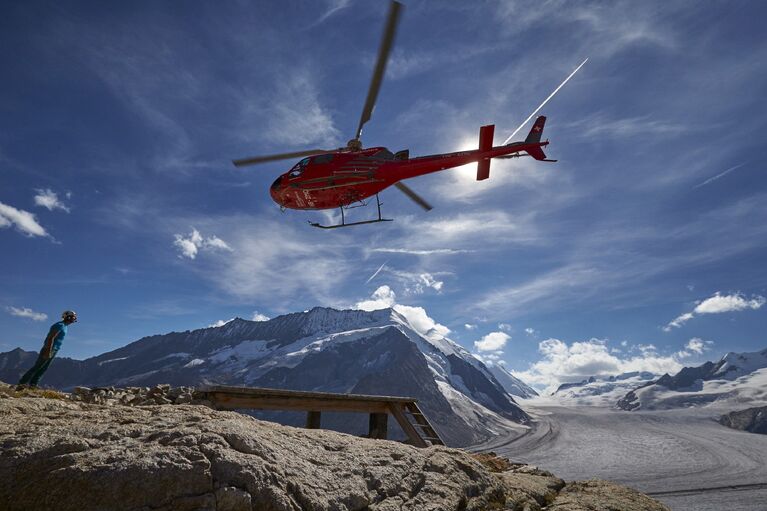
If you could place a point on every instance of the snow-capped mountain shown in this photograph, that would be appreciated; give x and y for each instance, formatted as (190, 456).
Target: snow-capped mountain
(323, 349)
(511, 383)
(736, 379)
(600, 390)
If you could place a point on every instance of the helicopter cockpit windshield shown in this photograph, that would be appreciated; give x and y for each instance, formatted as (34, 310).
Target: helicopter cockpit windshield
(298, 169)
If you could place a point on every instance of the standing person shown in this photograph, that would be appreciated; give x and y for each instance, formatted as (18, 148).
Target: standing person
(51, 346)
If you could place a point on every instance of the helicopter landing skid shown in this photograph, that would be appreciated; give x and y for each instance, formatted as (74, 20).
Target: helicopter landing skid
(343, 219)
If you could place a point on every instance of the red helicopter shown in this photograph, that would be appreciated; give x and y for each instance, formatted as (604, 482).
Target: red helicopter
(343, 178)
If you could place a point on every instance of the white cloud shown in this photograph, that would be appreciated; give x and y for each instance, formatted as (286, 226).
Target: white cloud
(26, 312)
(696, 346)
(530, 331)
(24, 221)
(505, 327)
(257, 316)
(468, 326)
(494, 341)
(728, 303)
(47, 198)
(718, 304)
(384, 298)
(191, 246)
(567, 363)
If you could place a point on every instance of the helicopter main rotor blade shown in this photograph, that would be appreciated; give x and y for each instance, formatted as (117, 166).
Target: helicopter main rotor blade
(413, 196)
(274, 157)
(383, 57)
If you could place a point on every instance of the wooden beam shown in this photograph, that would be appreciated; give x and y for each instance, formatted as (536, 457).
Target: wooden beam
(259, 391)
(225, 401)
(313, 420)
(410, 431)
(378, 426)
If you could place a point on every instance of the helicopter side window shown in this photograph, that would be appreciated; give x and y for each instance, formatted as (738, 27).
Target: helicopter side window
(383, 154)
(322, 159)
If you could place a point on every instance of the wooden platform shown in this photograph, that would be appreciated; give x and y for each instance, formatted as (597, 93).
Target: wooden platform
(405, 410)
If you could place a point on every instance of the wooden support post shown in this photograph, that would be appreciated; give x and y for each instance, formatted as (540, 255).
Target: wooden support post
(379, 423)
(313, 420)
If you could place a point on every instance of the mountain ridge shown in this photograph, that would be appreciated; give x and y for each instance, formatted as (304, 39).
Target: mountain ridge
(322, 349)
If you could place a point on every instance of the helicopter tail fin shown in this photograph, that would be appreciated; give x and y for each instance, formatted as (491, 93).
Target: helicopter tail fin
(534, 137)
(485, 144)
(536, 131)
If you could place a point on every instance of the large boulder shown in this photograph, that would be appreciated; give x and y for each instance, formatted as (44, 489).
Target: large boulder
(64, 455)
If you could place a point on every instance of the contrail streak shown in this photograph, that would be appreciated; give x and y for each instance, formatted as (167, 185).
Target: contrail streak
(544, 103)
(376, 273)
(712, 179)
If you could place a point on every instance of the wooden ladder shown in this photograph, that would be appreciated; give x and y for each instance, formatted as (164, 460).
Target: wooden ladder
(416, 419)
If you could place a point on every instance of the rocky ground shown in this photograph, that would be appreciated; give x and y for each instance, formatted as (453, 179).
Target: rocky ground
(88, 451)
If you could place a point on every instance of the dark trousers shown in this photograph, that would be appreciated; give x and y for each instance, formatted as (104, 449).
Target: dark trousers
(32, 377)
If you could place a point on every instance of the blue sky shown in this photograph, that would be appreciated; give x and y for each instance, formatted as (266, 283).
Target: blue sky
(119, 121)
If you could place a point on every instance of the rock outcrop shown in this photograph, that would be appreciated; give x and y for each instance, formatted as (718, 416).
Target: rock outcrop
(750, 419)
(63, 454)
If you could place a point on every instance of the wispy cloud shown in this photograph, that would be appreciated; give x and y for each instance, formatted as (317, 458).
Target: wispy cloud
(26, 312)
(278, 262)
(605, 28)
(718, 176)
(47, 198)
(418, 282)
(695, 346)
(24, 221)
(436, 251)
(600, 126)
(333, 7)
(718, 304)
(295, 116)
